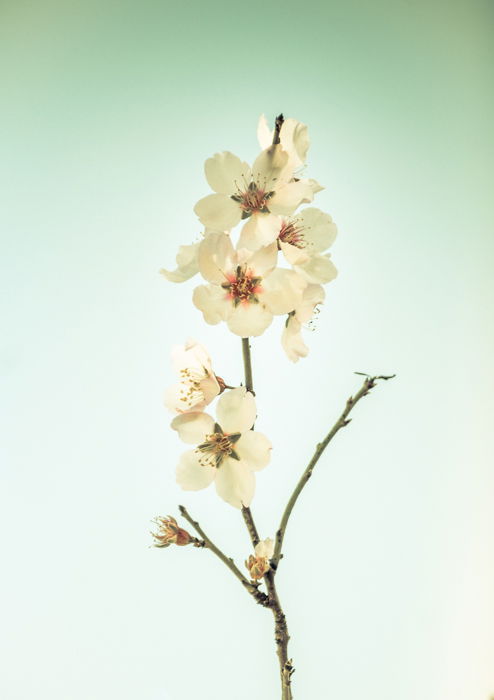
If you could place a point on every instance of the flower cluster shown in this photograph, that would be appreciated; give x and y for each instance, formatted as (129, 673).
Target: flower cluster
(279, 263)
(227, 450)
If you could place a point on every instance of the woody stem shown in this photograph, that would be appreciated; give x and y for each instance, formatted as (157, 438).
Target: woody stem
(281, 635)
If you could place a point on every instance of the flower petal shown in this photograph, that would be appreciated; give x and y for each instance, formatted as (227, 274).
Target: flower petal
(192, 428)
(218, 211)
(249, 319)
(225, 172)
(259, 230)
(236, 410)
(213, 302)
(187, 264)
(319, 229)
(283, 290)
(254, 449)
(269, 169)
(293, 255)
(264, 133)
(290, 196)
(235, 483)
(313, 295)
(216, 257)
(191, 475)
(291, 340)
(265, 548)
(318, 270)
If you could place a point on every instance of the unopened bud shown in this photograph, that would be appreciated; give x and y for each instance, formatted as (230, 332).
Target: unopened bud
(258, 565)
(170, 533)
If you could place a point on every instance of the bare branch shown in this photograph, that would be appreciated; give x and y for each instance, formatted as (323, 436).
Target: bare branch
(343, 420)
(250, 587)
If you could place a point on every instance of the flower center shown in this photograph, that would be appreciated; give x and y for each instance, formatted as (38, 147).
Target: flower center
(190, 392)
(242, 286)
(253, 199)
(292, 234)
(216, 447)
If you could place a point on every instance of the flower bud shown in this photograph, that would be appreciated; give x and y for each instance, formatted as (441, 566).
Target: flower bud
(170, 533)
(258, 565)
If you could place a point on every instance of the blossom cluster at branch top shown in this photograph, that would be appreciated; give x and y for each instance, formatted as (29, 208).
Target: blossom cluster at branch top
(226, 449)
(280, 261)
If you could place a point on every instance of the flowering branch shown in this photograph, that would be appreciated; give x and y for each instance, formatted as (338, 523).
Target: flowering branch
(252, 588)
(343, 420)
(277, 267)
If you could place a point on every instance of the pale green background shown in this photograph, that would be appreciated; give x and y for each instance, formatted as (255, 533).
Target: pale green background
(108, 111)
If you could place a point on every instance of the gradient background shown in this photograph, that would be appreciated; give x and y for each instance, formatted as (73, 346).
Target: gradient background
(108, 111)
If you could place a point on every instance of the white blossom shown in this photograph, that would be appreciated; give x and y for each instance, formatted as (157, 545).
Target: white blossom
(198, 384)
(302, 240)
(227, 451)
(241, 191)
(246, 288)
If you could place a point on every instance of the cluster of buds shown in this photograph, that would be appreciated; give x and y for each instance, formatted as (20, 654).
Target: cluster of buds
(258, 564)
(169, 532)
(279, 262)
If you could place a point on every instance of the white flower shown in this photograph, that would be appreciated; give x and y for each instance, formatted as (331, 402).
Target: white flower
(302, 240)
(242, 191)
(227, 451)
(246, 289)
(258, 565)
(198, 385)
(291, 339)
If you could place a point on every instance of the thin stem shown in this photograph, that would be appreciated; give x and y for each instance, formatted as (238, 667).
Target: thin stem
(249, 384)
(342, 421)
(281, 635)
(260, 597)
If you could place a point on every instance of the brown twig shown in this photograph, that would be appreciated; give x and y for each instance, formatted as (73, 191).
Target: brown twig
(250, 587)
(281, 635)
(343, 420)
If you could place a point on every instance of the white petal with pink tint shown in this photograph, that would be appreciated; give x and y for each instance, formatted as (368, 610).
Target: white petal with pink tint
(191, 475)
(254, 449)
(236, 410)
(235, 483)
